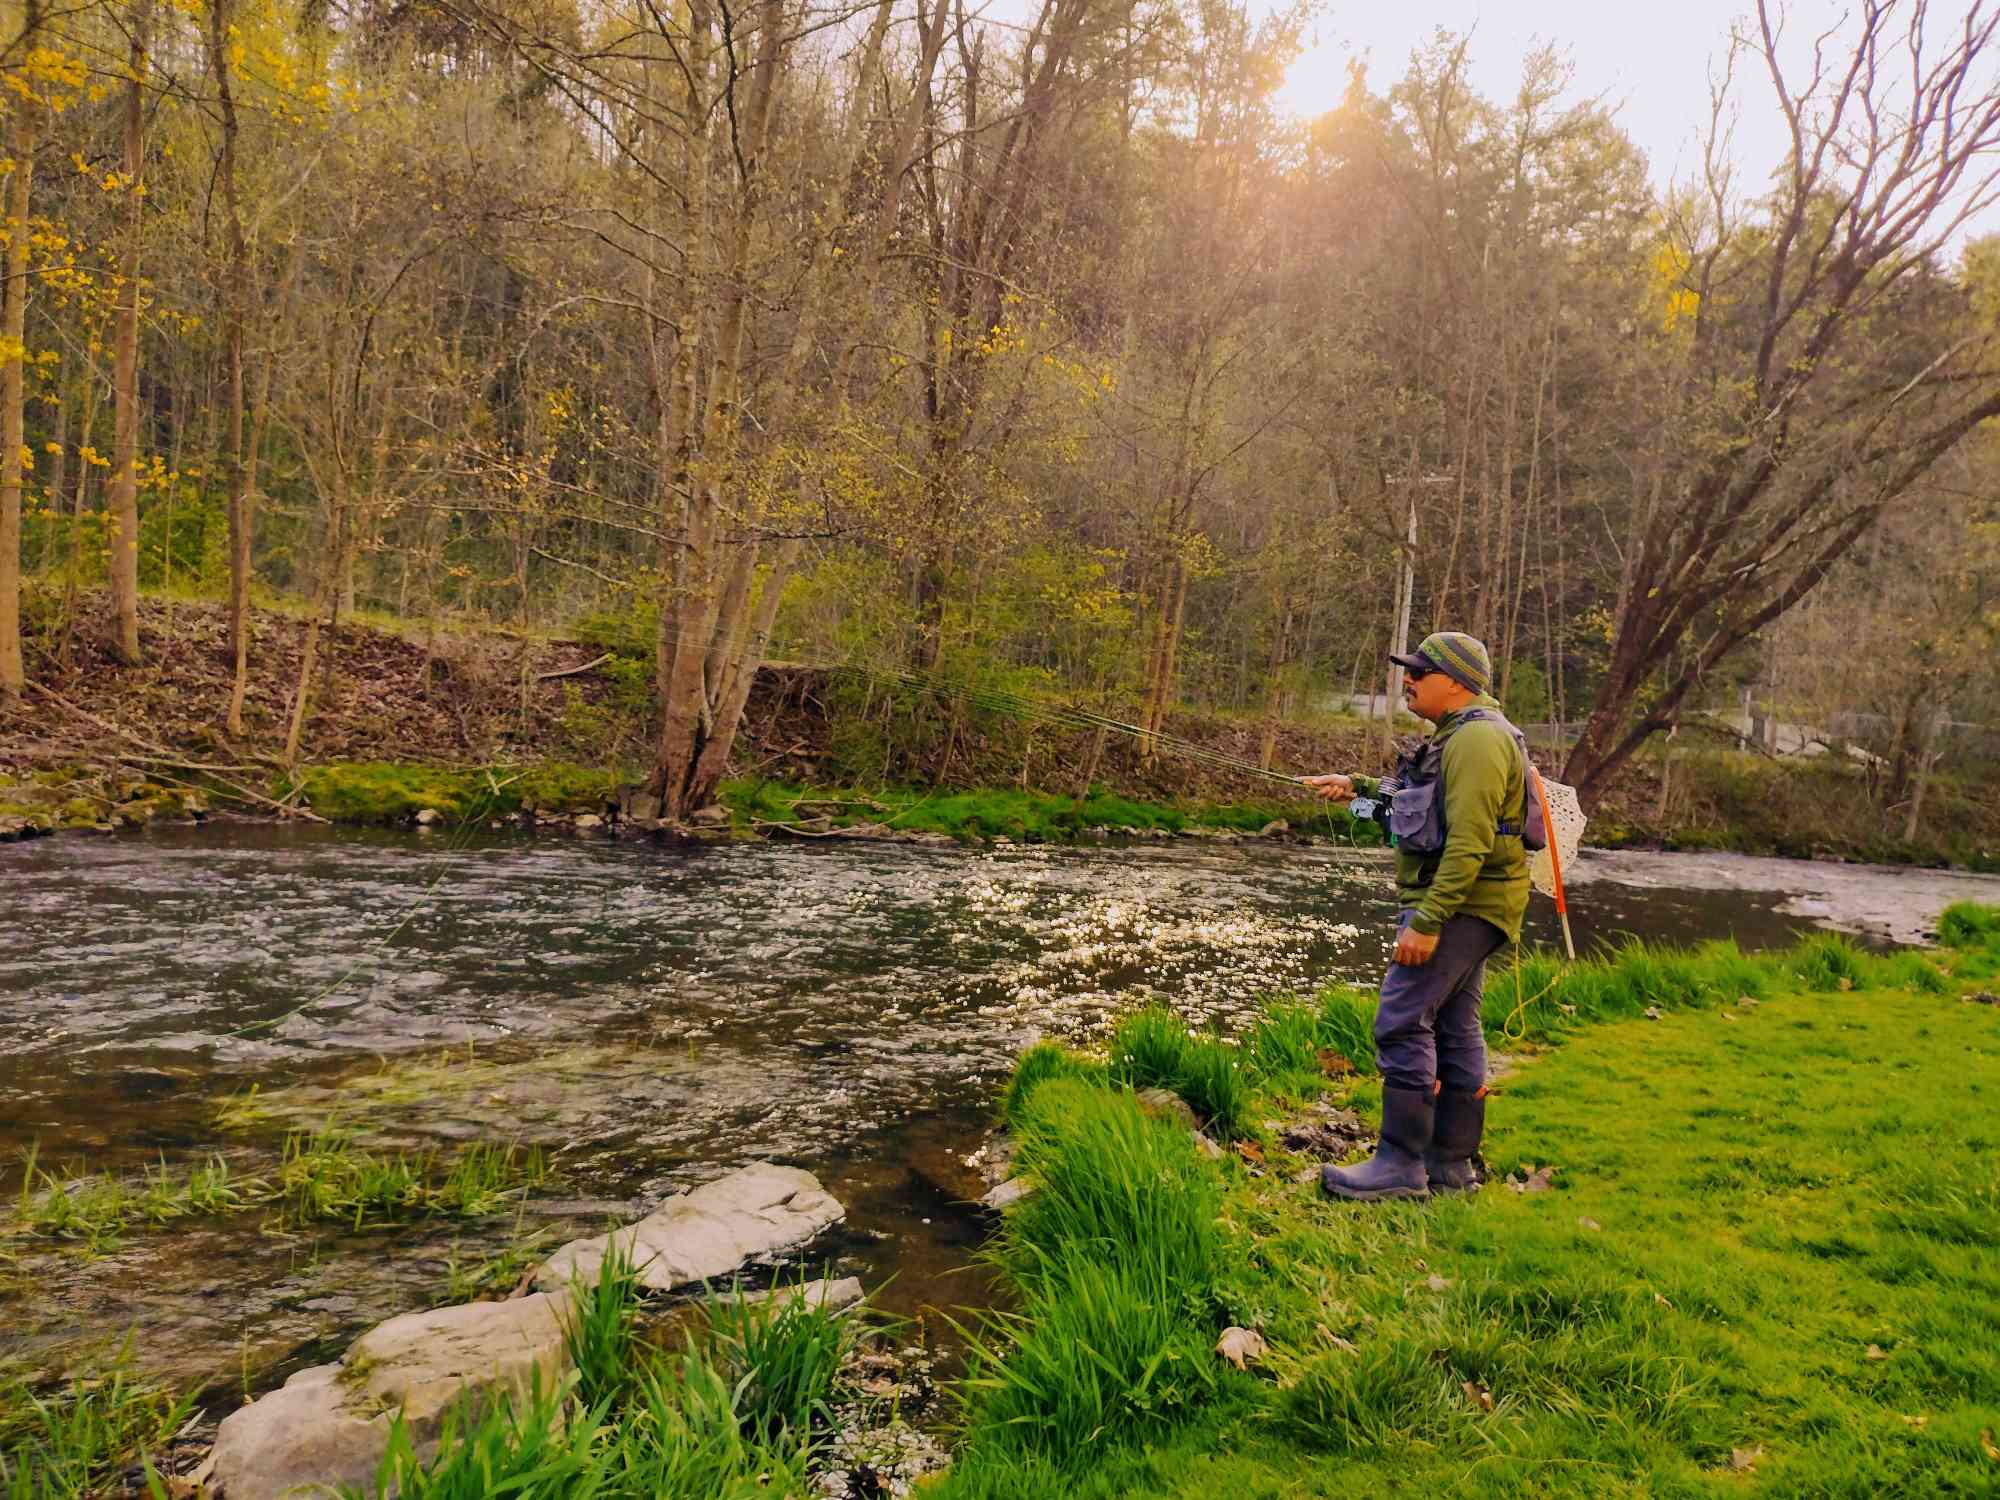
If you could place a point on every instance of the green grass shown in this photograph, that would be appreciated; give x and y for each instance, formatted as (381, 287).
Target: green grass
(321, 1176)
(1116, 1253)
(325, 1177)
(1154, 1049)
(71, 1438)
(737, 1411)
(1769, 1263)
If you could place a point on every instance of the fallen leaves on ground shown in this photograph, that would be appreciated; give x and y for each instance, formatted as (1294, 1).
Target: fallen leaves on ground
(1335, 1339)
(1242, 1347)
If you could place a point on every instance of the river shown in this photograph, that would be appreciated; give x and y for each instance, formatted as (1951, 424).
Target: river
(654, 1015)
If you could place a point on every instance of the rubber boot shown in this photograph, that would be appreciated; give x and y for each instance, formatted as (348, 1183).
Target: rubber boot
(1397, 1168)
(1453, 1163)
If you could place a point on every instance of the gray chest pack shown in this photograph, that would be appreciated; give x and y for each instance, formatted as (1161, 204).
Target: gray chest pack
(1415, 793)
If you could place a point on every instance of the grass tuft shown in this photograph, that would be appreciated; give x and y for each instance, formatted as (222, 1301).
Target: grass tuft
(1966, 924)
(1828, 961)
(1152, 1049)
(784, 1355)
(73, 1438)
(321, 1176)
(1041, 1062)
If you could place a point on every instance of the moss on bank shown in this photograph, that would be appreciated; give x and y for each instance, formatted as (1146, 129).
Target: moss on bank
(62, 799)
(386, 792)
(392, 792)
(1029, 816)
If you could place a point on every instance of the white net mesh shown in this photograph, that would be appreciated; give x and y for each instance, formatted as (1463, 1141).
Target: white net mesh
(1566, 822)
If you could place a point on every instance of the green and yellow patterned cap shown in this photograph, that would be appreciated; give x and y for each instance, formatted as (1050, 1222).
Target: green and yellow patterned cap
(1460, 657)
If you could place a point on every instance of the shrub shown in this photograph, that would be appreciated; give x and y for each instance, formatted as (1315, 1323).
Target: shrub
(1966, 924)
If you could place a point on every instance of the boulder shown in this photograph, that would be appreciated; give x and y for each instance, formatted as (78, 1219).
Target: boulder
(760, 1211)
(1169, 1105)
(589, 820)
(329, 1426)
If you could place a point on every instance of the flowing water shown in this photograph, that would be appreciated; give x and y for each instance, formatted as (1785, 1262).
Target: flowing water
(653, 1015)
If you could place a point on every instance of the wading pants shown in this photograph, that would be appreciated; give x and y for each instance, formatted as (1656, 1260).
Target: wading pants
(1427, 1026)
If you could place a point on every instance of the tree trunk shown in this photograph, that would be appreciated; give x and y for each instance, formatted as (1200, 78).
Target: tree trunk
(1274, 698)
(234, 302)
(124, 495)
(13, 327)
(1927, 759)
(325, 598)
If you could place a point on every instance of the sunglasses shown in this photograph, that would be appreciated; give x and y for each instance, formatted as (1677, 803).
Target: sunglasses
(1417, 674)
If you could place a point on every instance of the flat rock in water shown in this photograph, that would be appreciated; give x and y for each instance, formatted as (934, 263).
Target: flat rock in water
(1006, 1194)
(826, 1293)
(704, 1235)
(329, 1426)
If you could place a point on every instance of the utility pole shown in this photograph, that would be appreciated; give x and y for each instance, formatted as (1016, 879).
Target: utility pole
(1406, 590)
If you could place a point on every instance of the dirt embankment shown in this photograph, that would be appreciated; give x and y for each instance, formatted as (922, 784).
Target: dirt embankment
(412, 695)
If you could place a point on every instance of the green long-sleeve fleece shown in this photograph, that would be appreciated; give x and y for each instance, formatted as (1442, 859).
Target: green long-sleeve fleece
(1481, 873)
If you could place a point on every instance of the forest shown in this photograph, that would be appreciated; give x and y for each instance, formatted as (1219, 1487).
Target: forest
(1034, 351)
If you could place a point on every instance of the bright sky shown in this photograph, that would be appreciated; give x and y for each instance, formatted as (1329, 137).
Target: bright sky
(1650, 63)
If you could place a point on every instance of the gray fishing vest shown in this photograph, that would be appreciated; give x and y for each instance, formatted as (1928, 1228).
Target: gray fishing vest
(1416, 808)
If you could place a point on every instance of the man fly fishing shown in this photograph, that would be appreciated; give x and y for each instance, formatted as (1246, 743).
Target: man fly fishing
(1459, 812)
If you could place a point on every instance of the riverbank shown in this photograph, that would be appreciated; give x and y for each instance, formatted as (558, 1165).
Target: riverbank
(1738, 1237)
(410, 716)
